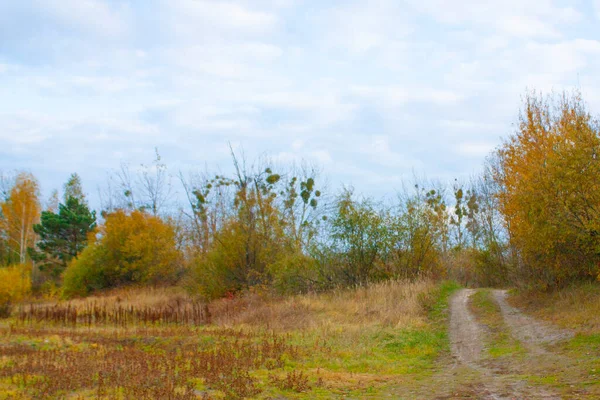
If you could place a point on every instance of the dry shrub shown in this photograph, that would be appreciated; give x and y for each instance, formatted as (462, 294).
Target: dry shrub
(293, 380)
(139, 297)
(93, 315)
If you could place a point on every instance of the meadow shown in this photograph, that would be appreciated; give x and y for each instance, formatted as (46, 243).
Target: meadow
(149, 344)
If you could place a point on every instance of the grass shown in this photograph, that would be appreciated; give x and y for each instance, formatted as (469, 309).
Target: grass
(500, 343)
(575, 370)
(345, 343)
(576, 307)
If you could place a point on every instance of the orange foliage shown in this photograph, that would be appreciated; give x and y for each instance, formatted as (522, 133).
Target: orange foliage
(128, 248)
(549, 172)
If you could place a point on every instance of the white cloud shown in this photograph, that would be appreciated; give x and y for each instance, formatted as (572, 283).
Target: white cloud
(96, 16)
(523, 26)
(192, 17)
(474, 149)
(360, 27)
(394, 96)
(465, 125)
(236, 61)
(380, 88)
(534, 18)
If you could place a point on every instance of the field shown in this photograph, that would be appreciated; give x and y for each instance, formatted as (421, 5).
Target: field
(148, 344)
(390, 340)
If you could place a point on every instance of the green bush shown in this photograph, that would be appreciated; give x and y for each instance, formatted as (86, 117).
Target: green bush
(86, 273)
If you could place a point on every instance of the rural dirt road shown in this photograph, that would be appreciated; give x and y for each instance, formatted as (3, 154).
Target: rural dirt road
(468, 337)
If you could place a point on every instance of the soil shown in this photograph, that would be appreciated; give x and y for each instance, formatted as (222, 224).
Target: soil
(467, 343)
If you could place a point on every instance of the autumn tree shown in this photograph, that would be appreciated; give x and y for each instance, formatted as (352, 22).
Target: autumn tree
(420, 231)
(5, 186)
(549, 175)
(20, 211)
(252, 228)
(129, 248)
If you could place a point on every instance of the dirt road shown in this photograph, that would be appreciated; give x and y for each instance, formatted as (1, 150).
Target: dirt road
(467, 337)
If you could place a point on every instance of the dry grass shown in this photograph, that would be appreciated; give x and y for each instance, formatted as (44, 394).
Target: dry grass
(345, 343)
(576, 307)
(389, 304)
(105, 366)
(137, 297)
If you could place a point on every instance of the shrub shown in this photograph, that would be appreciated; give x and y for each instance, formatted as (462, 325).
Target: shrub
(128, 249)
(15, 285)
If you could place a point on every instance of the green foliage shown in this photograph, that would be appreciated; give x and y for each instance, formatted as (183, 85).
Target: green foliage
(359, 240)
(294, 273)
(253, 229)
(128, 249)
(420, 234)
(62, 235)
(87, 273)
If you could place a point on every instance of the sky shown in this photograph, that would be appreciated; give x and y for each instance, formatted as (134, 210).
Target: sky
(371, 91)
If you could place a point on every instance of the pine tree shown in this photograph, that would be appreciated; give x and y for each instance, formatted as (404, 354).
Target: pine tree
(62, 235)
(73, 188)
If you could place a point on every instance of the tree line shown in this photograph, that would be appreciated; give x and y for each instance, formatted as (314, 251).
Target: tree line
(529, 218)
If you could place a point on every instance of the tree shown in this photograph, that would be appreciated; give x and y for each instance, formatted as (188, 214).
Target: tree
(74, 189)
(53, 201)
(549, 178)
(15, 285)
(252, 228)
(360, 240)
(420, 232)
(130, 248)
(20, 211)
(63, 235)
(147, 189)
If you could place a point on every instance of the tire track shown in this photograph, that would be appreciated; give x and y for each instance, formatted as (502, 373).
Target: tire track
(532, 333)
(466, 338)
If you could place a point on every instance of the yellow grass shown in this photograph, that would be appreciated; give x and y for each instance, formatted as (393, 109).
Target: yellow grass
(576, 307)
(390, 304)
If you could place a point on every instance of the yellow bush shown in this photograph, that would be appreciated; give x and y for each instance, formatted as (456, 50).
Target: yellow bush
(15, 285)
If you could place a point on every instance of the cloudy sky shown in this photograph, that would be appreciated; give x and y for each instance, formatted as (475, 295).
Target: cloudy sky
(370, 90)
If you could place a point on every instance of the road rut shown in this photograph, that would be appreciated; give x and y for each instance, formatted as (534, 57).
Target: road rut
(467, 343)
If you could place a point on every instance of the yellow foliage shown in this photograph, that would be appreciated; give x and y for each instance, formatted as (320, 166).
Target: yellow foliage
(18, 215)
(127, 249)
(15, 283)
(549, 172)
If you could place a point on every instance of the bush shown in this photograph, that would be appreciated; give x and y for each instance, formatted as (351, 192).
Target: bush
(15, 285)
(128, 249)
(86, 273)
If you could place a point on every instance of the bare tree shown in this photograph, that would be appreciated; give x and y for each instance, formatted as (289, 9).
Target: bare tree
(147, 188)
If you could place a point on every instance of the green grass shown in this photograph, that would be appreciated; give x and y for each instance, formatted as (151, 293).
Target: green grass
(500, 343)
